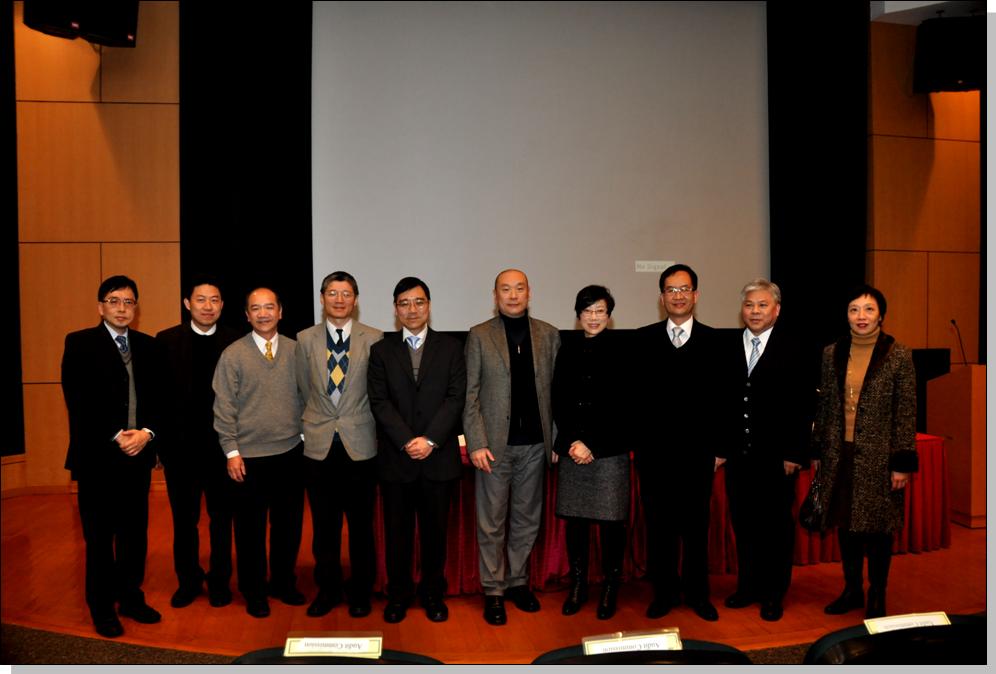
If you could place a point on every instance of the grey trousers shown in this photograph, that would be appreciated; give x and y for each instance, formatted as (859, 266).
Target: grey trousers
(512, 493)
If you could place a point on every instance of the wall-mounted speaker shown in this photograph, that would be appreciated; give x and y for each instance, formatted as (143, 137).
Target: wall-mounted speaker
(950, 54)
(112, 23)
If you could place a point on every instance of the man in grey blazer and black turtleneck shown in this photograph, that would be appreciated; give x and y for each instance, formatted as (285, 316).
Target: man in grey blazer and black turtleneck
(509, 428)
(340, 445)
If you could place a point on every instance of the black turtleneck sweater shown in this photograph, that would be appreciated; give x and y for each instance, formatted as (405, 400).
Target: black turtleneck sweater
(524, 426)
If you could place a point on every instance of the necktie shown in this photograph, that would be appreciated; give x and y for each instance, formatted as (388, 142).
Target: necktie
(413, 341)
(755, 353)
(676, 339)
(269, 351)
(122, 343)
(337, 355)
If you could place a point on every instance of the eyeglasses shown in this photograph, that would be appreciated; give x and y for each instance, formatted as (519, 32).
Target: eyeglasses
(418, 303)
(117, 301)
(333, 294)
(595, 313)
(683, 290)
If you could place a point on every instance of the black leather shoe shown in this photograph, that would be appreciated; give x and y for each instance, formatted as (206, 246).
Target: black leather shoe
(494, 610)
(739, 600)
(395, 612)
(257, 607)
(523, 598)
(435, 609)
(140, 613)
(607, 602)
(323, 603)
(849, 600)
(290, 596)
(659, 608)
(577, 595)
(109, 626)
(360, 607)
(771, 610)
(219, 596)
(184, 596)
(705, 610)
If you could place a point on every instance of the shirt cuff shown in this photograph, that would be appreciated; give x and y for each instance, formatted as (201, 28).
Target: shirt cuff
(232, 454)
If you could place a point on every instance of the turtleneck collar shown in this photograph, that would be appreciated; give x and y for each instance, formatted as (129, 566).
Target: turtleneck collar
(865, 340)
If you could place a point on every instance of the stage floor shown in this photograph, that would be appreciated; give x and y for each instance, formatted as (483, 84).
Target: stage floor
(42, 587)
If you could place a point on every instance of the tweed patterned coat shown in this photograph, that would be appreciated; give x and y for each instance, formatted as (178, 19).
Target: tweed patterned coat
(884, 433)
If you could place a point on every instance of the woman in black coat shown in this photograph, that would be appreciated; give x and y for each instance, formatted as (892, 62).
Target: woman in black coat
(593, 470)
(865, 438)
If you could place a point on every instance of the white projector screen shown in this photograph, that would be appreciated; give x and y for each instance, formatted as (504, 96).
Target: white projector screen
(452, 140)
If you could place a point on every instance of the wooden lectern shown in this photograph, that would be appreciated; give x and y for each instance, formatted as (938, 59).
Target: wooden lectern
(956, 411)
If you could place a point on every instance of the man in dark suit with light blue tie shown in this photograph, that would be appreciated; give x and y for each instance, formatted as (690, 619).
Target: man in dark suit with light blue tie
(416, 382)
(109, 381)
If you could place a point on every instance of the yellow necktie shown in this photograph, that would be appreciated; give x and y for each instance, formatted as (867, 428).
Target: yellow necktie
(269, 351)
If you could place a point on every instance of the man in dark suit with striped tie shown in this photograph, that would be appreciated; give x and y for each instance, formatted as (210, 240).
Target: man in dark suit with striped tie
(109, 381)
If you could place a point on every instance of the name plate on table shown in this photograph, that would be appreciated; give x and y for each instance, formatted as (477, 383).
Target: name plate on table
(666, 639)
(906, 621)
(355, 644)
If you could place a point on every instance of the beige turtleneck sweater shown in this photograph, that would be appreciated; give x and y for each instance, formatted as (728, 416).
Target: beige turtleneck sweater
(857, 365)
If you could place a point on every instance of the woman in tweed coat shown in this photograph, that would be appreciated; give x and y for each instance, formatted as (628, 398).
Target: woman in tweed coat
(865, 437)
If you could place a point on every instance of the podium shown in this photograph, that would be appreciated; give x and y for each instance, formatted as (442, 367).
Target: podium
(956, 411)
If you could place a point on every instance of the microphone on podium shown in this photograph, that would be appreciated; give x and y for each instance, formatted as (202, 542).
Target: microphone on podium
(961, 344)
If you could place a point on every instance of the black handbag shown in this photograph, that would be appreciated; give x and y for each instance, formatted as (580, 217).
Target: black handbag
(813, 514)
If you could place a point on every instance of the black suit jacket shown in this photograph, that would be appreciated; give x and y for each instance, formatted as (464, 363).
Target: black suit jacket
(405, 409)
(95, 386)
(678, 396)
(184, 424)
(770, 413)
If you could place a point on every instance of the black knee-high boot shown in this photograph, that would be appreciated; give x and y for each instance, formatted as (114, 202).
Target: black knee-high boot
(613, 540)
(851, 559)
(879, 559)
(578, 541)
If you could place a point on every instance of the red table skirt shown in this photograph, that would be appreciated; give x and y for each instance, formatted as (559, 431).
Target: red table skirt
(926, 528)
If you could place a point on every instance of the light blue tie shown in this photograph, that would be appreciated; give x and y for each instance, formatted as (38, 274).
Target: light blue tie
(413, 341)
(755, 353)
(676, 340)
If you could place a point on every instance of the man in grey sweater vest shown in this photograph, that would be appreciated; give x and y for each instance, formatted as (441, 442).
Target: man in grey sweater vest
(257, 413)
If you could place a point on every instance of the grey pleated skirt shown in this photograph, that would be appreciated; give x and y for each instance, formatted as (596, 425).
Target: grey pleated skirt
(598, 490)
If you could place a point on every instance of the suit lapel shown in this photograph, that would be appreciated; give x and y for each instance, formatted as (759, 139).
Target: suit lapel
(429, 352)
(501, 342)
(400, 352)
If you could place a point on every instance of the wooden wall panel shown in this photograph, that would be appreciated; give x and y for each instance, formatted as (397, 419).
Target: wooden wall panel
(49, 68)
(902, 277)
(924, 194)
(894, 110)
(46, 435)
(13, 474)
(149, 73)
(98, 172)
(156, 269)
(954, 115)
(58, 290)
(954, 293)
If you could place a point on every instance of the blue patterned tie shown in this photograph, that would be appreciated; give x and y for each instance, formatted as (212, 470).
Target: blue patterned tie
(755, 353)
(413, 341)
(122, 343)
(337, 355)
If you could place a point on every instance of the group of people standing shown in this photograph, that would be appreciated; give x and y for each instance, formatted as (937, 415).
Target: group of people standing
(254, 422)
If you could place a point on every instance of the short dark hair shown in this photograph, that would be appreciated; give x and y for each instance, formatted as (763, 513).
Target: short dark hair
(674, 269)
(201, 280)
(591, 294)
(340, 276)
(275, 294)
(112, 283)
(408, 283)
(875, 293)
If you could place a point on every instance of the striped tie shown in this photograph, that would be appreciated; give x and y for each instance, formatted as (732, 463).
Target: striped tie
(755, 353)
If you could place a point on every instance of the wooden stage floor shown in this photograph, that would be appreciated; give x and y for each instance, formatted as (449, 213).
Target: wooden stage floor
(42, 587)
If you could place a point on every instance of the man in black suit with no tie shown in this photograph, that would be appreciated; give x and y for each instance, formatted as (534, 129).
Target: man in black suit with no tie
(677, 460)
(188, 446)
(769, 418)
(109, 383)
(416, 382)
